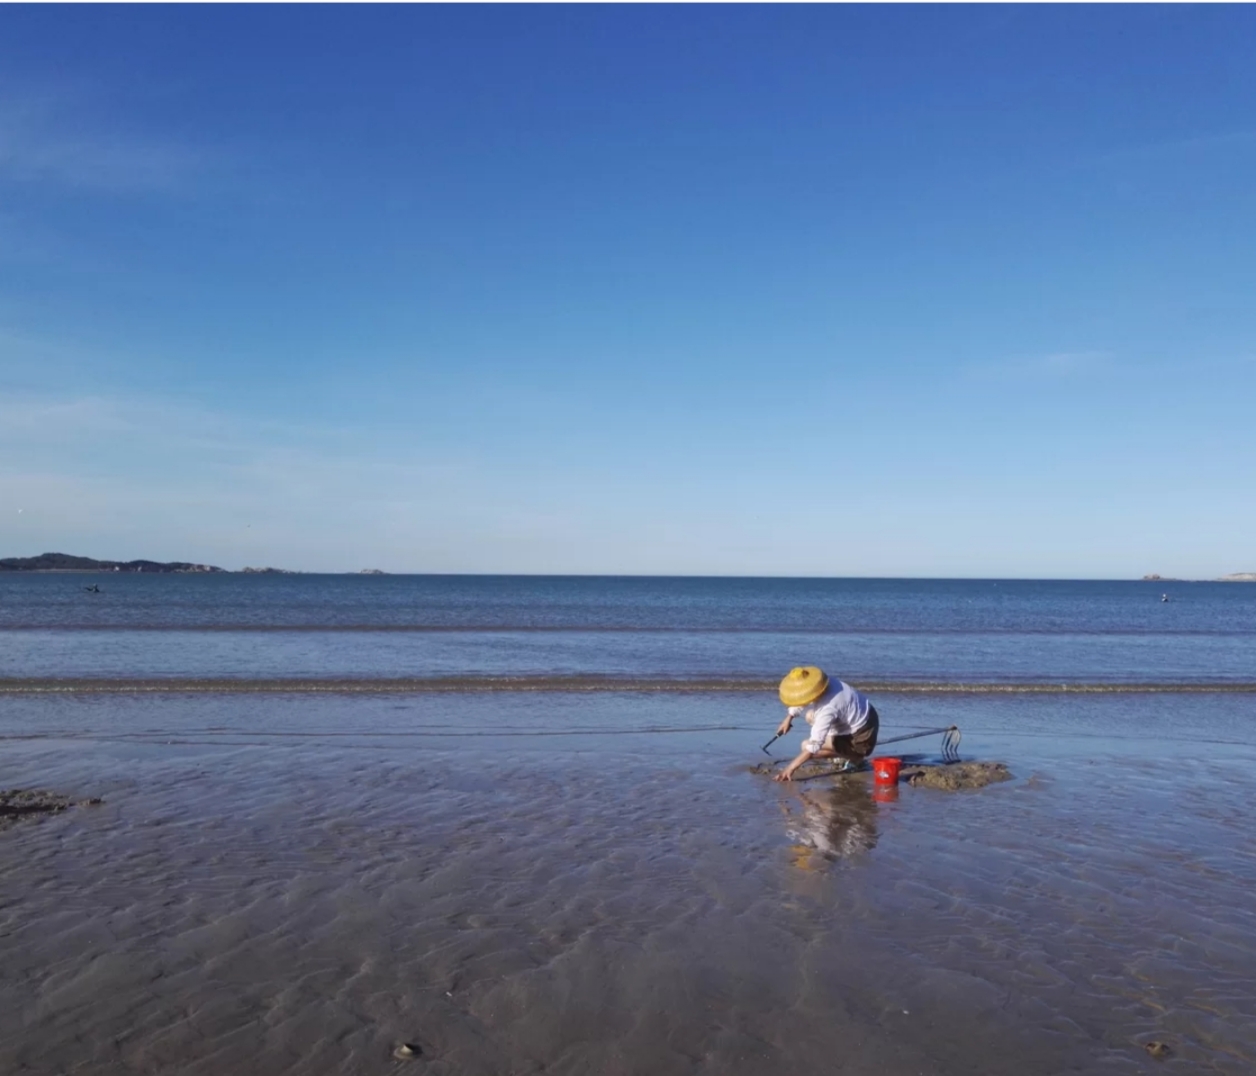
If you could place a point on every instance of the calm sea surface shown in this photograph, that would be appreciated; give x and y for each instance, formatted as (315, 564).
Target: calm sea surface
(511, 821)
(636, 632)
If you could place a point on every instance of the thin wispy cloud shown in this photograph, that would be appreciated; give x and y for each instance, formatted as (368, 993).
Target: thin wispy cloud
(1221, 141)
(1056, 365)
(43, 140)
(161, 475)
(164, 425)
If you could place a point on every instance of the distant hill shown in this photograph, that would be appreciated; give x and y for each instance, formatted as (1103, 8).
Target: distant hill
(64, 562)
(1239, 577)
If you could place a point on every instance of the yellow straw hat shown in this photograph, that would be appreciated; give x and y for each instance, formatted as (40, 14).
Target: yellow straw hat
(803, 685)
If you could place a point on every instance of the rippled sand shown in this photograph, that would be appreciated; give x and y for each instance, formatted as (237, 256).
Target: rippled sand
(279, 886)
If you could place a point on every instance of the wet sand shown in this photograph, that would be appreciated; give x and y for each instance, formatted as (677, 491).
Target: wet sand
(291, 886)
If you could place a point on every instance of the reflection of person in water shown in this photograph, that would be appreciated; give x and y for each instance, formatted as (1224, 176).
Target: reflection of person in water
(832, 823)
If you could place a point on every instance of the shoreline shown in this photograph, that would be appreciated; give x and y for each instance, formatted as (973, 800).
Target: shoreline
(574, 684)
(569, 685)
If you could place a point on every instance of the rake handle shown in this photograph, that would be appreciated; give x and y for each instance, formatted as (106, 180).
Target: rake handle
(917, 735)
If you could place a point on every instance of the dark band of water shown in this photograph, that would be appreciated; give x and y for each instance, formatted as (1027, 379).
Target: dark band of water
(577, 684)
(472, 628)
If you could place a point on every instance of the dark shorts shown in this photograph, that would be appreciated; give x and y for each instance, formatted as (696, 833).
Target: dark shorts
(863, 742)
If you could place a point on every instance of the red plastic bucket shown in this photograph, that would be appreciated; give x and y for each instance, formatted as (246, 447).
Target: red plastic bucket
(885, 770)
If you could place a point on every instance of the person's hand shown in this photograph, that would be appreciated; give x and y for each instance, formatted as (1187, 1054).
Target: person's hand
(784, 726)
(787, 774)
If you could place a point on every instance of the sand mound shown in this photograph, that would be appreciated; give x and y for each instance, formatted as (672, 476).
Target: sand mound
(947, 776)
(956, 776)
(16, 803)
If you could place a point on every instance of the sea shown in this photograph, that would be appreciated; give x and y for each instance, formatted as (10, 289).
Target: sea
(515, 823)
(634, 634)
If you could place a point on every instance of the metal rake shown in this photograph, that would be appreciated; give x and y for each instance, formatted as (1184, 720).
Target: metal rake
(950, 740)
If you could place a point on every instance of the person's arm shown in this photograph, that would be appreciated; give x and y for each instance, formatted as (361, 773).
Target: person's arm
(813, 747)
(787, 774)
(807, 754)
(824, 726)
(790, 713)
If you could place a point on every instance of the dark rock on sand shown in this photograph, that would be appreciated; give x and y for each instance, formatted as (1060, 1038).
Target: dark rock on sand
(16, 803)
(1159, 1050)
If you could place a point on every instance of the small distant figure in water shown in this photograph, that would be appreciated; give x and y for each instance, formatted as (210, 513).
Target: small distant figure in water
(1164, 597)
(93, 589)
(844, 724)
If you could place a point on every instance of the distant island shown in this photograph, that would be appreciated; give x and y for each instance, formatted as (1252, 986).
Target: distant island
(1236, 577)
(64, 562)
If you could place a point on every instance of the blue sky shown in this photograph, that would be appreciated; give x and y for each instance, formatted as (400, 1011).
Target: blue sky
(745, 290)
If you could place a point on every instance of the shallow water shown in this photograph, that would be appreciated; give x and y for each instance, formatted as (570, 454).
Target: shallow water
(314, 846)
(593, 883)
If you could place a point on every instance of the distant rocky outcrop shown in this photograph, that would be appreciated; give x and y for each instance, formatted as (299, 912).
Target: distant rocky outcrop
(65, 562)
(1239, 577)
(266, 571)
(372, 571)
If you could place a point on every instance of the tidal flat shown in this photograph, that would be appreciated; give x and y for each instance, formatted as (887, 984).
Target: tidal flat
(521, 884)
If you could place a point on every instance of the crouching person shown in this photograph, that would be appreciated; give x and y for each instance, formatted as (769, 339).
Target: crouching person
(844, 724)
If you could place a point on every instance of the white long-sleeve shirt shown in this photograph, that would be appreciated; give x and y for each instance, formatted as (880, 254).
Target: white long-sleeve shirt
(840, 711)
